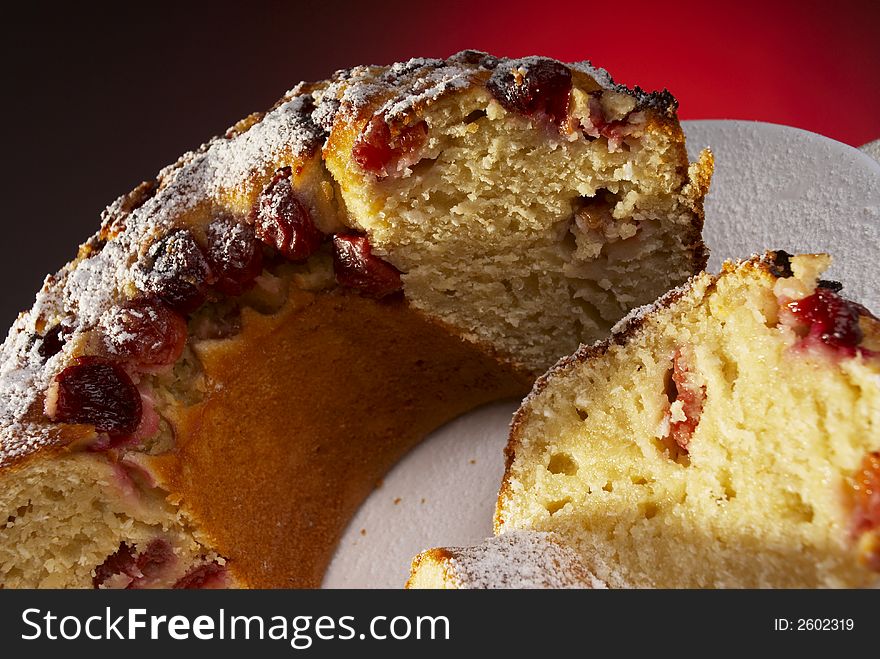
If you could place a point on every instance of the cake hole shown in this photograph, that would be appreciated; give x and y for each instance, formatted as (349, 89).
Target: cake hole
(639, 480)
(476, 115)
(554, 507)
(730, 370)
(583, 414)
(798, 509)
(562, 463)
(669, 387)
(727, 489)
(53, 495)
(672, 450)
(21, 511)
(649, 510)
(422, 166)
(608, 487)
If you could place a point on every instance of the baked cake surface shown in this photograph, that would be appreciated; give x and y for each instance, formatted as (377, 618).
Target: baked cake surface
(519, 559)
(207, 392)
(725, 436)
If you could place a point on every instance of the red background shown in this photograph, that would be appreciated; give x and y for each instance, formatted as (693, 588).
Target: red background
(814, 65)
(97, 99)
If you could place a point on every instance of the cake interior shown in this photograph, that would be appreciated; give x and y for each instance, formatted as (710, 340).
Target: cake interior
(516, 239)
(536, 237)
(759, 498)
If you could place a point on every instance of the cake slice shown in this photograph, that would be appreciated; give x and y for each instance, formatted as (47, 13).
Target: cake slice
(519, 559)
(205, 395)
(726, 436)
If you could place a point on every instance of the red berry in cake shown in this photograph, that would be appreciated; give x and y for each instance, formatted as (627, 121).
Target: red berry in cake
(207, 576)
(384, 150)
(52, 343)
(152, 562)
(830, 319)
(235, 255)
(121, 562)
(145, 333)
(97, 392)
(180, 274)
(686, 402)
(355, 266)
(599, 126)
(283, 222)
(533, 86)
(125, 569)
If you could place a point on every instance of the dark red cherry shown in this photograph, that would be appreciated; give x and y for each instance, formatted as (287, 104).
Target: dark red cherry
(53, 342)
(830, 319)
(380, 148)
(146, 333)
(235, 255)
(180, 274)
(533, 86)
(121, 561)
(283, 222)
(151, 562)
(97, 392)
(209, 575)
(355, 266)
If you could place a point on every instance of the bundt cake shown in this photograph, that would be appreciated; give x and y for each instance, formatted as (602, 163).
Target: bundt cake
(726, 436)
(207, 392)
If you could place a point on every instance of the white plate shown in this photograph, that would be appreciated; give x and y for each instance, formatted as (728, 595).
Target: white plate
(774, 187)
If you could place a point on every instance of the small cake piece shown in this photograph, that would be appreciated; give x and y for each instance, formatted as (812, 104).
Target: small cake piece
(520, 559)
(724, 437)
(207, 393)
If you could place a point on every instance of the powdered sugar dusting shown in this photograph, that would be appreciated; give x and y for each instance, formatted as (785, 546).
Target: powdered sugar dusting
(519, 559)
(87, 289)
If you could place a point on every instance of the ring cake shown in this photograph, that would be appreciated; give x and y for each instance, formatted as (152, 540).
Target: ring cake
(205, 395)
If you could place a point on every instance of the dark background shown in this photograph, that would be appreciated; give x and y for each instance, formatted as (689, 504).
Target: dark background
(97, 99)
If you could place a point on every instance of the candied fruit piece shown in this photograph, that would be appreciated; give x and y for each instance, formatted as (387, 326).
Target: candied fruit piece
(235, 255)
(356, 266)
(97, 392)
(283, 222)
(179, 273)
(827, 318)
(686, 398)
(146, 333)
(384, 150)
(533, 86)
